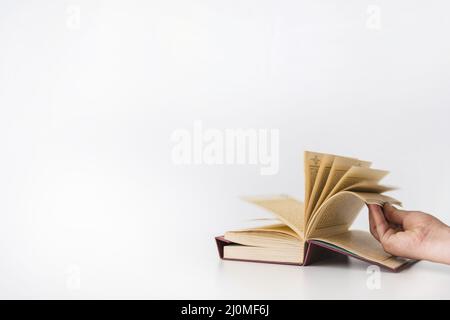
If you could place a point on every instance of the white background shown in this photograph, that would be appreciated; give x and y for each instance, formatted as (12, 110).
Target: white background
(91, 203)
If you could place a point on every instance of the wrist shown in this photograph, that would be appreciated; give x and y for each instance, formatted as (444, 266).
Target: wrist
(437, 245)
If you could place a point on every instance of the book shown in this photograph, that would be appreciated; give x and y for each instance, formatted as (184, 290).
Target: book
(336, 189)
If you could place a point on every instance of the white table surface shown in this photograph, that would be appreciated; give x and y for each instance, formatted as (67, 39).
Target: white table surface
(147, 271)
(333, 279)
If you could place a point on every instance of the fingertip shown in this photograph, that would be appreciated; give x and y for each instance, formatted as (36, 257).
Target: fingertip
(374, 208)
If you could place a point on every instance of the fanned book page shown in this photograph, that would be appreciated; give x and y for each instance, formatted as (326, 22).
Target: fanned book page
(336, 189)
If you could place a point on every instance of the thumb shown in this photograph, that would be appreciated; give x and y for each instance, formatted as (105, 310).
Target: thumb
(393, 214)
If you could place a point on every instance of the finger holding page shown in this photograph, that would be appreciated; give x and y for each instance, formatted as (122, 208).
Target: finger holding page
(380, 224)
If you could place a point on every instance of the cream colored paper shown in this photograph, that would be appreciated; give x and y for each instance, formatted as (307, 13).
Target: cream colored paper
(363, 244)
(357, 175)
(319, 183)
(287, 209)
(340, 210)
(339, 168)
(312, 162)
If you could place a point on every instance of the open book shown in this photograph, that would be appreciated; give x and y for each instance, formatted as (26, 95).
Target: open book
(336, 189)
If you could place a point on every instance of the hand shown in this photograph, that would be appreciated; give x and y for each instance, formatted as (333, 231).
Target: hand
(410, 234)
